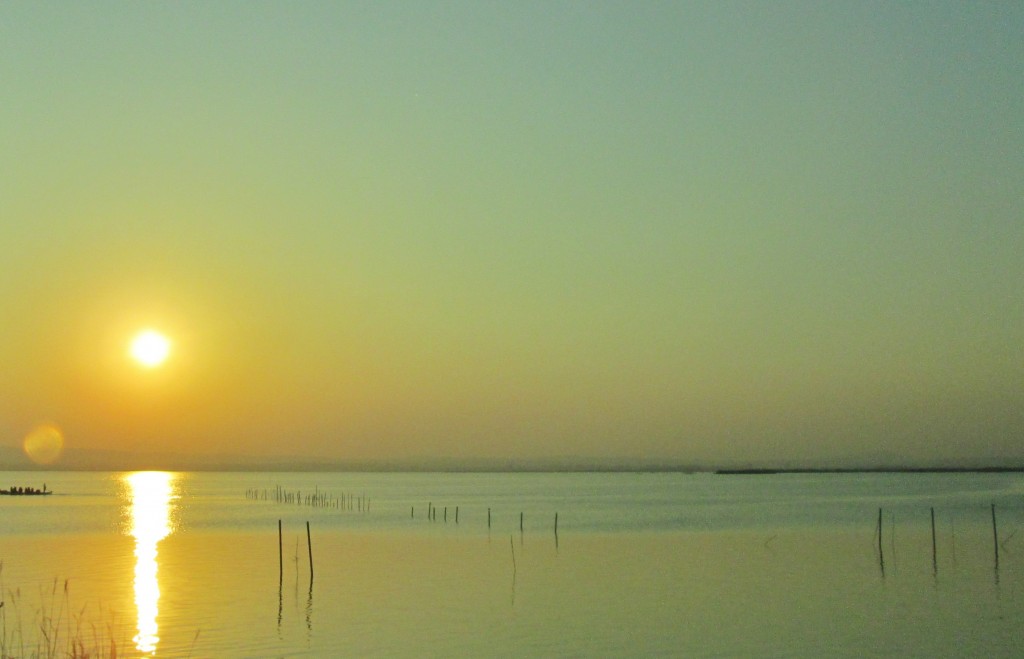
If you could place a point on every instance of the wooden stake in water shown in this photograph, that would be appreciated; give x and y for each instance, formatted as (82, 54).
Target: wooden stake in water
(309, 543)
(488, 518)
(280, 555)
(881, 559)
(520, 522)
(995, 535)
(935, 556)
(456, 514)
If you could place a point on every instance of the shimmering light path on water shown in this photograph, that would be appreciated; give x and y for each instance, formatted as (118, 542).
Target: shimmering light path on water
(151, 495)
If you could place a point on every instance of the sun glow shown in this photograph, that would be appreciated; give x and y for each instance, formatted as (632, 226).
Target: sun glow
(150, 348)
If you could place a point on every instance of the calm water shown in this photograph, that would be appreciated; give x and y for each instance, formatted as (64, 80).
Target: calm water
(642, 565)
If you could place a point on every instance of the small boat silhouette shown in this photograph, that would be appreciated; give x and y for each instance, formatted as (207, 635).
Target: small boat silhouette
(26, 492)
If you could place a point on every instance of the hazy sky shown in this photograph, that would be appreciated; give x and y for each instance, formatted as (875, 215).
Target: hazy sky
(690, 231)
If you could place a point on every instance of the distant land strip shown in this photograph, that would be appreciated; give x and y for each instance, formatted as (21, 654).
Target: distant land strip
(76, 459)
(872, 470)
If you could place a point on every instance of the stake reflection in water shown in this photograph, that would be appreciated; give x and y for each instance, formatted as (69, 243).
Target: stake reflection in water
(151, 495)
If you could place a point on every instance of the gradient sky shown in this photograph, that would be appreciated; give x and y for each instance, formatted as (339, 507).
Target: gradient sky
(698, 232)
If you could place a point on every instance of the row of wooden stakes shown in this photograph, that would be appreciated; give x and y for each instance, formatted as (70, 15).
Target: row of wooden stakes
(432, 516)
(935, 552)
(315, 499)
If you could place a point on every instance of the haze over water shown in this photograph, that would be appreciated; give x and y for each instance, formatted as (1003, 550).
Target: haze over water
(642, 565)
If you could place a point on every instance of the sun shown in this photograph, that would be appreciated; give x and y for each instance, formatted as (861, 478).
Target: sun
(150, 348)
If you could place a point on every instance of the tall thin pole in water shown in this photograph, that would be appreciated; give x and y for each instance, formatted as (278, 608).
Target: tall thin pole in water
(935, 556)
(995, 535)
(881, 559)
(309, 543)
(280, 555)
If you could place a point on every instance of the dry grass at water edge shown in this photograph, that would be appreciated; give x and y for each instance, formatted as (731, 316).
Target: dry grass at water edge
(54, 629)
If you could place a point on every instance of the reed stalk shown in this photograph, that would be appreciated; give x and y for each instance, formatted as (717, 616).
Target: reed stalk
(56, 630)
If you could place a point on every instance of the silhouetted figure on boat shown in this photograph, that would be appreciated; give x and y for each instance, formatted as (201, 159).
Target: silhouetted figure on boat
(26, 490)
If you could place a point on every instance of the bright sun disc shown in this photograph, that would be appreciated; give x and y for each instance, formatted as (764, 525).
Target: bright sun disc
(150, 348)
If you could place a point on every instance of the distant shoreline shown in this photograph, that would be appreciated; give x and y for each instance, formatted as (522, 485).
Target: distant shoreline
(512, 469)
(873, 470)
(12, 459)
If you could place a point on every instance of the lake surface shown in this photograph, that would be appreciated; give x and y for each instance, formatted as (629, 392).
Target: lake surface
(787, 565)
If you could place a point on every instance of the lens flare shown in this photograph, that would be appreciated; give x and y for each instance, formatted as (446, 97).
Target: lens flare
(44, 444)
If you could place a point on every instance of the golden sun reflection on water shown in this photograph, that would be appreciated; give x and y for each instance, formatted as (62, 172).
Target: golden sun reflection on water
(151, 493)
